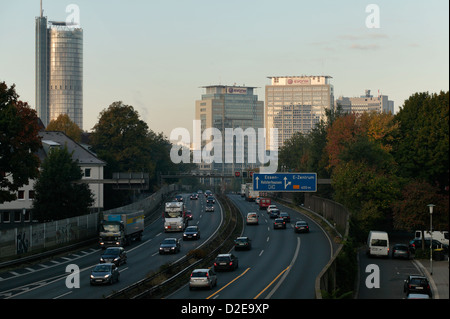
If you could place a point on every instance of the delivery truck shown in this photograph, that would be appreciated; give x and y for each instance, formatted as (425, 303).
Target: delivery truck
(174, 217)
(120, 229)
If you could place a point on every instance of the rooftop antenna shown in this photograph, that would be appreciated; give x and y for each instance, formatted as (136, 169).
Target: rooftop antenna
(42, 11)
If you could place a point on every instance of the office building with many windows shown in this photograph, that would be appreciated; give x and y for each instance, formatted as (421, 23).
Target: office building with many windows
(231, 107)
(366, 103)
(296, 104)
(59, 70)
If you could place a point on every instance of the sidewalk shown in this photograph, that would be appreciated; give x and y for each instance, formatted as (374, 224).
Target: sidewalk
(439, 279)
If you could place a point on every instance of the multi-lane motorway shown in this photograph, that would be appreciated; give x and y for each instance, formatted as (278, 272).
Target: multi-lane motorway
(47, 279)
(281, 264)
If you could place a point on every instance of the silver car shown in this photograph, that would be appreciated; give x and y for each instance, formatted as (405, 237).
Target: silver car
(106, 273)
(202, 278)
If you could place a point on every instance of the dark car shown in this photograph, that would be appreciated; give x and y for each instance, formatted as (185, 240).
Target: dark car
(210, 200)
(286, 217)
(189, 215)
(400, 251)
(417, 243)
(194, 196)
(179, 198)
(274, 213)
(106, 273)
(226, 262)
(191, 232)
(279, 223)
(169, 246)
(116, 255)
(301, 227)
(417, 284)
(242, 243)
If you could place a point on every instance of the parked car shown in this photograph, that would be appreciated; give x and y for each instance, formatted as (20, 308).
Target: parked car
(191, 232)
(116, 255)
(105, 273)
(201, 278)
(252, 218)
(417, 243)
(242, 243)
(286, 217)
(417, 284)
(274, 213)
(170, 246)
(279, 223)
(226, 262)
(301, 227)
(400, 251)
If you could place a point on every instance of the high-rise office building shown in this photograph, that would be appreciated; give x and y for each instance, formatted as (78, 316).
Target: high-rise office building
(230, 107)
(59, 70)
(296, 104)
(366, 103)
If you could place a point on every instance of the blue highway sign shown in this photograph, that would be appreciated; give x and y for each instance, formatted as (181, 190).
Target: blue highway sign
(285, 182)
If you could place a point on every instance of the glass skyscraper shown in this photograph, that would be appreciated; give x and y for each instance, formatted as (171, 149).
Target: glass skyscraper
(59, 70)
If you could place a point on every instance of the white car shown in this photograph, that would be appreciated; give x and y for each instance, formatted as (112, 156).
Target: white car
(252, 218)
(270, 208)
(201, 278)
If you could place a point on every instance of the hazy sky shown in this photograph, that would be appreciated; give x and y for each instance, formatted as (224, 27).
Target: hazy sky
(155, 55)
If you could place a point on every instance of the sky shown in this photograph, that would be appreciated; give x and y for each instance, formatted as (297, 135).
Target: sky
(156, 55)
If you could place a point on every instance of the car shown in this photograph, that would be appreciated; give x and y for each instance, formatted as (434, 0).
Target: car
(301, 227)
(208, 193)
(169, 246)
(191, 232)
(286, 217)
(194, 196)
(417, 284)
(104, 273)
(417, 243)
(279, 223)
(210, 200)
(116, 255)
(252, 218)
(242, 243)
(400, 251)
(189, 215)
(179, 198)
(257, 200)
(226, 262)
(270, 207)
(209, 208)
(199, 191)
(274, 213)
(202, 278)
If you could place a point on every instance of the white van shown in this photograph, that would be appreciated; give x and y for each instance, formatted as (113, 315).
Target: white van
(441, 236)
(378, 244)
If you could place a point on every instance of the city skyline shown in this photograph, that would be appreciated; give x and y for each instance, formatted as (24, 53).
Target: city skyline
(158, 56)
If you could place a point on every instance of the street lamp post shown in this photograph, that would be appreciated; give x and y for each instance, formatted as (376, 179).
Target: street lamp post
(430, 206)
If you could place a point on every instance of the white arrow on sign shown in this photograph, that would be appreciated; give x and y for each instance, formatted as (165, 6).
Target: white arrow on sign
(286, 185)
(257, 179)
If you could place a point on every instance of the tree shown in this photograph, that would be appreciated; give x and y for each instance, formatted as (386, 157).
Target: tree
(57, 196)
(411, 212)
(19, 143)
(64, 124)
(421, 145)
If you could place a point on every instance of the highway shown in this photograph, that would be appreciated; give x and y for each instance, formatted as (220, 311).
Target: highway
(47, 279)
(282, 264)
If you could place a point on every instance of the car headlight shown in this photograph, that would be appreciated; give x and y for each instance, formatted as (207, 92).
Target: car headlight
(107, 276)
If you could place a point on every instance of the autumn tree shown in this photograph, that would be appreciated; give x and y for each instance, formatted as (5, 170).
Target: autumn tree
(64, 124)
(19, 143)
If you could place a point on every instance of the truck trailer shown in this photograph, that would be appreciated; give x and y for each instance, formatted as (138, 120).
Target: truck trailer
(119, 229)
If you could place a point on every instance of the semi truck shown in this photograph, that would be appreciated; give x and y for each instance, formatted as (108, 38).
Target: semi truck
(174, 217)
(119, 229)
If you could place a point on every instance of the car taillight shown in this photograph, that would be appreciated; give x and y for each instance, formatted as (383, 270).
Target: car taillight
(215, 264)
(231, 263)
